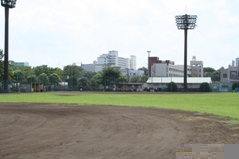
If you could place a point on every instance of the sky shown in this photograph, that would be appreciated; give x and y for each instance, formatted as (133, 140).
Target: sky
(59, 32)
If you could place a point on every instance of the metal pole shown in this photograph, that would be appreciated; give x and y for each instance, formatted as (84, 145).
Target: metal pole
(5, 78)
(185, 59)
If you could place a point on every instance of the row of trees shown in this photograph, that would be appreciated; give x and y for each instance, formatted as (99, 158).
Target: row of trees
(211, 72)
(75, 76)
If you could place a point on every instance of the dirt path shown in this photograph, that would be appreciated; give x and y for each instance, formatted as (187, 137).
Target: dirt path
(100, 132)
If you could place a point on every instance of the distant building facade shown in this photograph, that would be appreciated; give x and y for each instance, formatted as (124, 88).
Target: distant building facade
(111, 60)
(131, 72)
(196, 67)
(229, 75)
(167, 68)
(237, 61)
(20, 64)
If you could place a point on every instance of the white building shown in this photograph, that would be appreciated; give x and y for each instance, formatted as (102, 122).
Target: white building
(196, 67)
(162, 82)
(131, 72)
(230, 74)
(168, 69)
(133, 62)
(111, 60)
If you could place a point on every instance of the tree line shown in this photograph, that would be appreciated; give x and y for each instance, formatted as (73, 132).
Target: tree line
(75, 76)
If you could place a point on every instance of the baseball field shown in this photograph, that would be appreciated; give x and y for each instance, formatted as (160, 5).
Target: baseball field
(113, 125)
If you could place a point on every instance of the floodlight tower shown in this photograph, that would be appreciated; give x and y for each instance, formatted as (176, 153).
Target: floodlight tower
(185, 22)
(7, 4)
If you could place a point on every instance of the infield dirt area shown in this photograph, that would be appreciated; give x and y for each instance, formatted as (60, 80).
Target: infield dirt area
(42, 131)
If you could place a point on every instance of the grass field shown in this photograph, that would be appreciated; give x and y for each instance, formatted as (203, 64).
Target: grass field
(222, 104)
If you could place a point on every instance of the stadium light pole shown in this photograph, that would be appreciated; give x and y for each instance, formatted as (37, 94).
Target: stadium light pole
(185, 22)
(7, 4)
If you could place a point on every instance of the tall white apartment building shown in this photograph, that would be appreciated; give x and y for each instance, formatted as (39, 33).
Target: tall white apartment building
(112, 59)
(133, 62)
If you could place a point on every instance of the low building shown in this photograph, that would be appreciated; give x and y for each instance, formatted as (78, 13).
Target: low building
(162, 82)
(131, 72)
(168, 70)
(22, 64)
(229, 75)
(129, 87)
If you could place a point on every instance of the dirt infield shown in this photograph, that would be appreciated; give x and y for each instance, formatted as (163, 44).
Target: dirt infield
(100, 132)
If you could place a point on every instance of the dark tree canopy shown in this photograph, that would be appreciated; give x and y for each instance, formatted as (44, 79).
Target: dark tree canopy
(205, 87)
(235, 85)
(172, 87)
(145, 70)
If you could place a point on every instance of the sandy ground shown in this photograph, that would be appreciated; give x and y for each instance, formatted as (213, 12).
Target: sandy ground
(100, 132)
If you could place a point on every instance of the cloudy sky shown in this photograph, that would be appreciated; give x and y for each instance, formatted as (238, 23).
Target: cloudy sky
(61, 32)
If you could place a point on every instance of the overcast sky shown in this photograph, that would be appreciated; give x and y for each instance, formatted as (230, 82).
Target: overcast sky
(61, 32)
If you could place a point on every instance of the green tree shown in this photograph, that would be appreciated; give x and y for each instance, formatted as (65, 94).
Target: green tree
(87, 74)
(235, 85)
(122, 79)
(31, 79)
(18, 76)
(57, 71)
(208, 69)
(43, 78)
(95, 81)
(205, 87)
(145, 70)
(72, 82)
(83, 83)
(71, 71)
(144, 79)
(135, 79)
(215, 76)
(110, 75)
(211, 72)
(172, 87)
(41, 69)
(54, 78)
(1, 54)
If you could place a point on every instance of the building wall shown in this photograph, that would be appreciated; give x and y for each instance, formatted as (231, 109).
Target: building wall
(112, 59)
(229, 75)
(20, 63)
(237, 61)
(103, 59)
(151, 61)
(131, 72)
(133, 62)
(88, 67)
(167, 70)
(196, 68)
(122, 63)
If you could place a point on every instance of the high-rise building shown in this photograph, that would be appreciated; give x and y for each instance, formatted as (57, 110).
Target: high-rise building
(133, 62)
(111, 60)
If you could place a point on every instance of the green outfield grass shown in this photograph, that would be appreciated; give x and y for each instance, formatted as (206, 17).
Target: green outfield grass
(222, 104)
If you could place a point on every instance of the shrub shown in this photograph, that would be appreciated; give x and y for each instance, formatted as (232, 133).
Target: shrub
(205, 87)
(235, 85)
(172, 87)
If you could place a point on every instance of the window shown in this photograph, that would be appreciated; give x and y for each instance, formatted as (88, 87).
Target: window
(224, 75)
